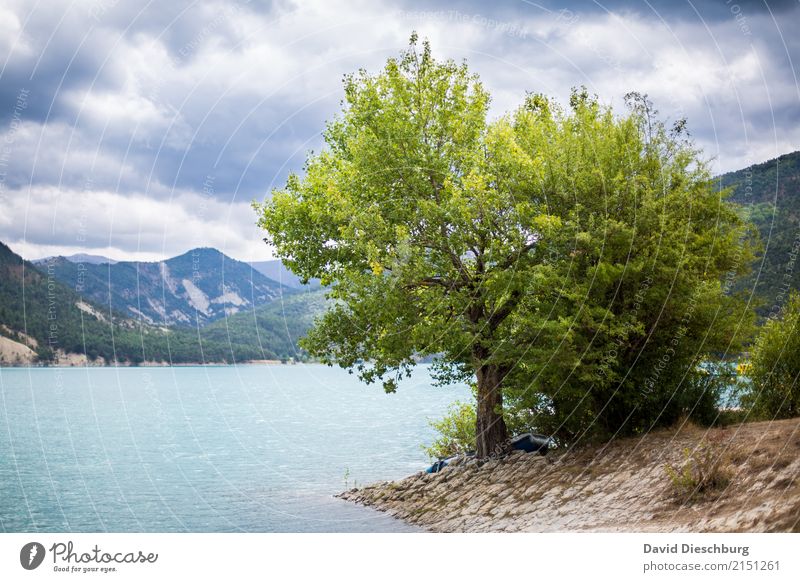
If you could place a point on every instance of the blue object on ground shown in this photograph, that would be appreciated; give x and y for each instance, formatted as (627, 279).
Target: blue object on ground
(531, 443)
(528, 442)
(442, 463)
(437, 466)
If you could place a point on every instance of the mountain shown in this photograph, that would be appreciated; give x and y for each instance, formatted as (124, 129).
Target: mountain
(45, 320)
(770, 196)
(276, 271)
(49, 318)
(80, 258)
(774, 181)
(196, 288)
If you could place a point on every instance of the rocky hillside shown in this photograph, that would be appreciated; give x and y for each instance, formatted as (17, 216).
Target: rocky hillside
(198, 287)
(42, 319)
(622, 486)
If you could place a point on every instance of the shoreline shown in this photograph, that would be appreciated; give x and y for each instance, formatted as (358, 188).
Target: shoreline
(77, 365)
(16, 354)
(621, 486)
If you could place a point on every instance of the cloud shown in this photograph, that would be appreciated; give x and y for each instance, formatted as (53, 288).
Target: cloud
(46, 221)
(145, 102)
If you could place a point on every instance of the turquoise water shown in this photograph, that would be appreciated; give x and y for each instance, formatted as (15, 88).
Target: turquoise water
(204, 449)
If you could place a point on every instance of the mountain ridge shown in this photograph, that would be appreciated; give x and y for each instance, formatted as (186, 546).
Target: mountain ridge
(45, 321)
(78, 258)
(769, 193)
(197, 287)
(277, 271)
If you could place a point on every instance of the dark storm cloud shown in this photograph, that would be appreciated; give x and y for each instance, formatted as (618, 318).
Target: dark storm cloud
(49, 59)
(668, 9)
(77, 49)
(148, 101)
(66, 46)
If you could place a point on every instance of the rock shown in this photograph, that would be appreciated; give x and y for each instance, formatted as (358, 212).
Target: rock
(460, 460)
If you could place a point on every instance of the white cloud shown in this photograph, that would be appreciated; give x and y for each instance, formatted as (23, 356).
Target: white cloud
(48, 220)
(10, 28)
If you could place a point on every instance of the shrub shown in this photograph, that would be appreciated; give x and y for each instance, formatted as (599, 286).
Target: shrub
(775, 391)
(457, 429)
(704, 470)
(456, 432)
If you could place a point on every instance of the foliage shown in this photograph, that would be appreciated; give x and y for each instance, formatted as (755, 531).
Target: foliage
(705, 469)
(775, 366)
(456, 432)
(568, 260)
(713, 388)
(456, 429)
(642, 301)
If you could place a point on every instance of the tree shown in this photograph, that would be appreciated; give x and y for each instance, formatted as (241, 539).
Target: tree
(646, 277)
(484, 244)
(775, 371)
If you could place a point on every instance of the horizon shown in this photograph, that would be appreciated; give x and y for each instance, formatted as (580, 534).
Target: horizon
(152, 257)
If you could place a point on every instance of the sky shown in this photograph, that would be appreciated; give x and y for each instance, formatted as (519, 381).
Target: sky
(140, 130)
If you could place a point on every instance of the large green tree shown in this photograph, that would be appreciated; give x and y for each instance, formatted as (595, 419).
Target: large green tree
(497, 247)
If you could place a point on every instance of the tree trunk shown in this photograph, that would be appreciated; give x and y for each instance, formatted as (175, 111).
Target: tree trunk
(491, 434)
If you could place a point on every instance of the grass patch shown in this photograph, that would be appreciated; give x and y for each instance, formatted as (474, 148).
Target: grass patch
(705, 470)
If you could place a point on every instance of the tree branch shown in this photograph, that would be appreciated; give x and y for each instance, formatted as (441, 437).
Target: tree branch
(500, 314)
(435, 282)
(514, 257)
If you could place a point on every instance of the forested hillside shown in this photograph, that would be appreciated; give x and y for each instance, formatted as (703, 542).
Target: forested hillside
(770, 195)
(39, 311)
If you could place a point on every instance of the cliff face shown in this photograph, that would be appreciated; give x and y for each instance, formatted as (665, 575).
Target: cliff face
(621, 486)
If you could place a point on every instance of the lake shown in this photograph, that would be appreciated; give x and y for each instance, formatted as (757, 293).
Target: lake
(205, 449)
